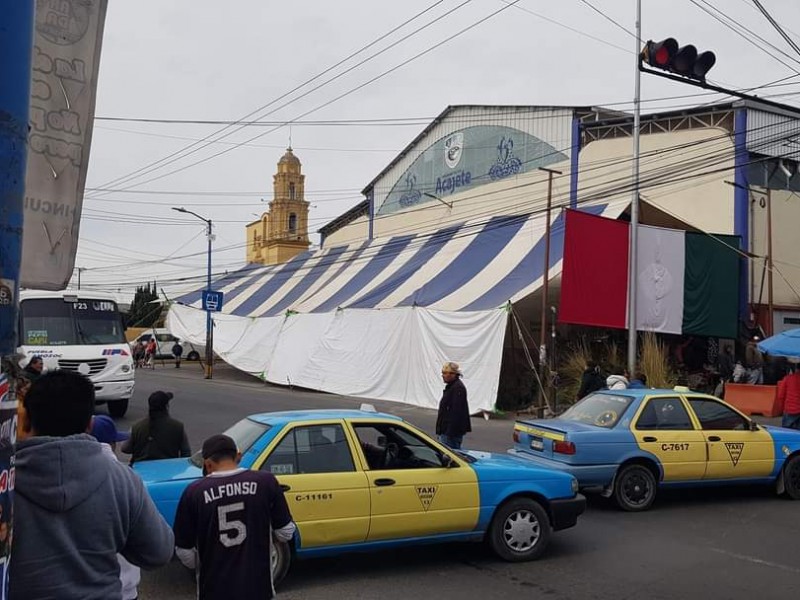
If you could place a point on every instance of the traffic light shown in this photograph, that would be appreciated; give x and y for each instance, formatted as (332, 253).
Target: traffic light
(669, 56)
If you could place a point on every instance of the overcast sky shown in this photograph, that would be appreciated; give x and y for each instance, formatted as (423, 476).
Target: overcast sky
(207, 60)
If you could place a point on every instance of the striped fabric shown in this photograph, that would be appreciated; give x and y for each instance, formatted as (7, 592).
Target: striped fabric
(472, 266)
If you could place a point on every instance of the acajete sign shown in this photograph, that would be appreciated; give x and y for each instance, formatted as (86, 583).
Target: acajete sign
(468, 159)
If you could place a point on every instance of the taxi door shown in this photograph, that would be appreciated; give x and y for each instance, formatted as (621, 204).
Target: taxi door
(663, 428)
(325, 487)
(734, 451)
(413, 494)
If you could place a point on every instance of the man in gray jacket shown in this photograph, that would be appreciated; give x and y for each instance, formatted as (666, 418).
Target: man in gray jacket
(75, 507)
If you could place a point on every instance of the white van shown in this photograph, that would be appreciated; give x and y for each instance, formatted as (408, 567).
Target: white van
(164, 343)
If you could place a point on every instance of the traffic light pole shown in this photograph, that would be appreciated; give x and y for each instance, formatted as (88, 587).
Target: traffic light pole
(715, 88)
(634, 230)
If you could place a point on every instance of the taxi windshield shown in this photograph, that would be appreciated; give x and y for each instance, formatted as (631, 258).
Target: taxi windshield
(602, 410)
(244, 433)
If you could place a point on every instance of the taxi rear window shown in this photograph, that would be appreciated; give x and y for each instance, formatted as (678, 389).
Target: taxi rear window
(602, 410)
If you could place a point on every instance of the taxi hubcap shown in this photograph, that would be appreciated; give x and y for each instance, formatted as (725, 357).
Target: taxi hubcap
(521, 531)
(637, 488)
(273, 558)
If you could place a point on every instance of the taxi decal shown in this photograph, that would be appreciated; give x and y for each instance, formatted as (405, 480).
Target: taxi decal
(550, 435)
(735, 450)
(322, 496)
(425, 493)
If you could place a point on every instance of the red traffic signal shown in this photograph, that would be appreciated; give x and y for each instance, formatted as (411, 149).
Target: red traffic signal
(668, 56)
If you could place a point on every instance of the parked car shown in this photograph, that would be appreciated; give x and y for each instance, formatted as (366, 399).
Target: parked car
(164, 343)
(358, 480)
(628, 443)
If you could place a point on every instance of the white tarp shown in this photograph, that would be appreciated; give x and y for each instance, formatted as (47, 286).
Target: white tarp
(66, 60)
(393, 354)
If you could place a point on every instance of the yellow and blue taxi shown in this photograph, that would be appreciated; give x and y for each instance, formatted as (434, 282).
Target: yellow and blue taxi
(628, 443)
(363, 480)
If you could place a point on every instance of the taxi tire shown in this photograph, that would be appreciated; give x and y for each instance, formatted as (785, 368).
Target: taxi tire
(118, 408)
(631, 474)
(791, 477)
(525, 508)
(284, 560)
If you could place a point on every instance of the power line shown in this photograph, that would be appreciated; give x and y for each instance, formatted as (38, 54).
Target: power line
(188, 149)
(777, 27)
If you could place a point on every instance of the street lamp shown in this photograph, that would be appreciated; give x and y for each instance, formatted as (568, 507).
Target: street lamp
(209, 330)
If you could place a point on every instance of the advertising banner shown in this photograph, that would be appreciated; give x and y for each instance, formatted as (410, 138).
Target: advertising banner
(66, 57)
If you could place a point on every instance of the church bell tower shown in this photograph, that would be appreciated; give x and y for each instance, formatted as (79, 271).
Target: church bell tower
(281, 233)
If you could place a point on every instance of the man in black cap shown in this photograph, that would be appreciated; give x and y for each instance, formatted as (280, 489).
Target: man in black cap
(225, 524)
(158, 435)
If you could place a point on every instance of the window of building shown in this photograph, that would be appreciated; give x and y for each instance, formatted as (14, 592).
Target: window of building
(311, 449)
(291, 191)
(292, 223)
(664, 413)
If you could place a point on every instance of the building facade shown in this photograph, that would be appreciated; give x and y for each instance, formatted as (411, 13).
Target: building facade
(282, 232)
(706, 168)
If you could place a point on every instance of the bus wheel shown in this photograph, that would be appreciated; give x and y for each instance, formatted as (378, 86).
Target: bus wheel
(118, 408)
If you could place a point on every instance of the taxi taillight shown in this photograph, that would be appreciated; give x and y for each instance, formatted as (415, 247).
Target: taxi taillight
(516, 436)
(563, 447)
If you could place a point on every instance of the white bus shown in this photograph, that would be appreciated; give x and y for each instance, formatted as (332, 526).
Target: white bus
(83, 332)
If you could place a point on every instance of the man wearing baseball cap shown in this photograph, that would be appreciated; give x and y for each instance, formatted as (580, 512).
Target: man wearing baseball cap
(158, 435)
(105, 431)
(225, 524)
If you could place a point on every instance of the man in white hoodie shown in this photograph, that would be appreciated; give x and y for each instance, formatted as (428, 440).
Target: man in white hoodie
(105, 431)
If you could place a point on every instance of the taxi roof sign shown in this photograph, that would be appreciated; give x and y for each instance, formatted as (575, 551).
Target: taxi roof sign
(681, 388)
(367, 408)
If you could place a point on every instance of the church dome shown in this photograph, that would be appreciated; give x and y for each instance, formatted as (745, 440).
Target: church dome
(289, 161)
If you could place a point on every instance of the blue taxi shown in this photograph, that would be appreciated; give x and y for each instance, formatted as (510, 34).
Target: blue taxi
(627, 443)
(362, 480)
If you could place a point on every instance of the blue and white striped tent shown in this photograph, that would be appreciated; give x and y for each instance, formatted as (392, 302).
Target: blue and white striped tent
(460, 277)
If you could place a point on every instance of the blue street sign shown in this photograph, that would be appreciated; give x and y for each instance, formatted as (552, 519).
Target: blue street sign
(212, 301)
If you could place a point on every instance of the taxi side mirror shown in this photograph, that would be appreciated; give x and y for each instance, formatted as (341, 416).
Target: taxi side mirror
(448, 462)
(753, 426)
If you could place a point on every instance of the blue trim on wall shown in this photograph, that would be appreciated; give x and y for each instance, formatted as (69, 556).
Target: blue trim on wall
(741, 201)
(573, 162)
(371, 204)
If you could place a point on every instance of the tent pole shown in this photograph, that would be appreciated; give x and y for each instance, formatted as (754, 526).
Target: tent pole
(545, 283)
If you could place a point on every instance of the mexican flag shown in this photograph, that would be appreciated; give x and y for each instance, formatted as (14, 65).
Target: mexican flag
(687, 283)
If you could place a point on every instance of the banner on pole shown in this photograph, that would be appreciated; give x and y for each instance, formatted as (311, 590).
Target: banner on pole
(66, 58)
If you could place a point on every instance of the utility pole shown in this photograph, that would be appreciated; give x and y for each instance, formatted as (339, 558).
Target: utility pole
(546, 283)
(209, 321)
(770, 303)
(770, 300)
(634, 232)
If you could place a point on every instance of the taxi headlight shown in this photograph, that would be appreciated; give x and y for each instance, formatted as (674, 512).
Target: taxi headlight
(126, 368)
(574, 486)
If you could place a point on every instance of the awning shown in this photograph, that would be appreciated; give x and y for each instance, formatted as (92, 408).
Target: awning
(472, 266)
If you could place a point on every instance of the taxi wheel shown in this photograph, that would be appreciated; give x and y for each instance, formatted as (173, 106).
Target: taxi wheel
(520, 530)
(791, 478)
(634, 488)
(280, 559)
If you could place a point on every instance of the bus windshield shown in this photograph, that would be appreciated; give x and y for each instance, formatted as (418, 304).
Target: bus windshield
(54, 322)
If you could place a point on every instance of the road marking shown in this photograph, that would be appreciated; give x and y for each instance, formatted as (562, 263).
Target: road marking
(757, 561)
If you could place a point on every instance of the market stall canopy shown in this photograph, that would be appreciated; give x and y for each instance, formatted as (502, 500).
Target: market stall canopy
(786, 344)
(476, 265)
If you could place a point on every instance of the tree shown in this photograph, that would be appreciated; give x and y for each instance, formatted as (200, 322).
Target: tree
(143, 313)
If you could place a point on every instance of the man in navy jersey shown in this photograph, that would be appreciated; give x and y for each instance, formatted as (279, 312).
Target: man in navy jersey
(225, 524)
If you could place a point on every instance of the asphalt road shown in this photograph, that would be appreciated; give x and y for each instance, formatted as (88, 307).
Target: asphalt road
(726, 544)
